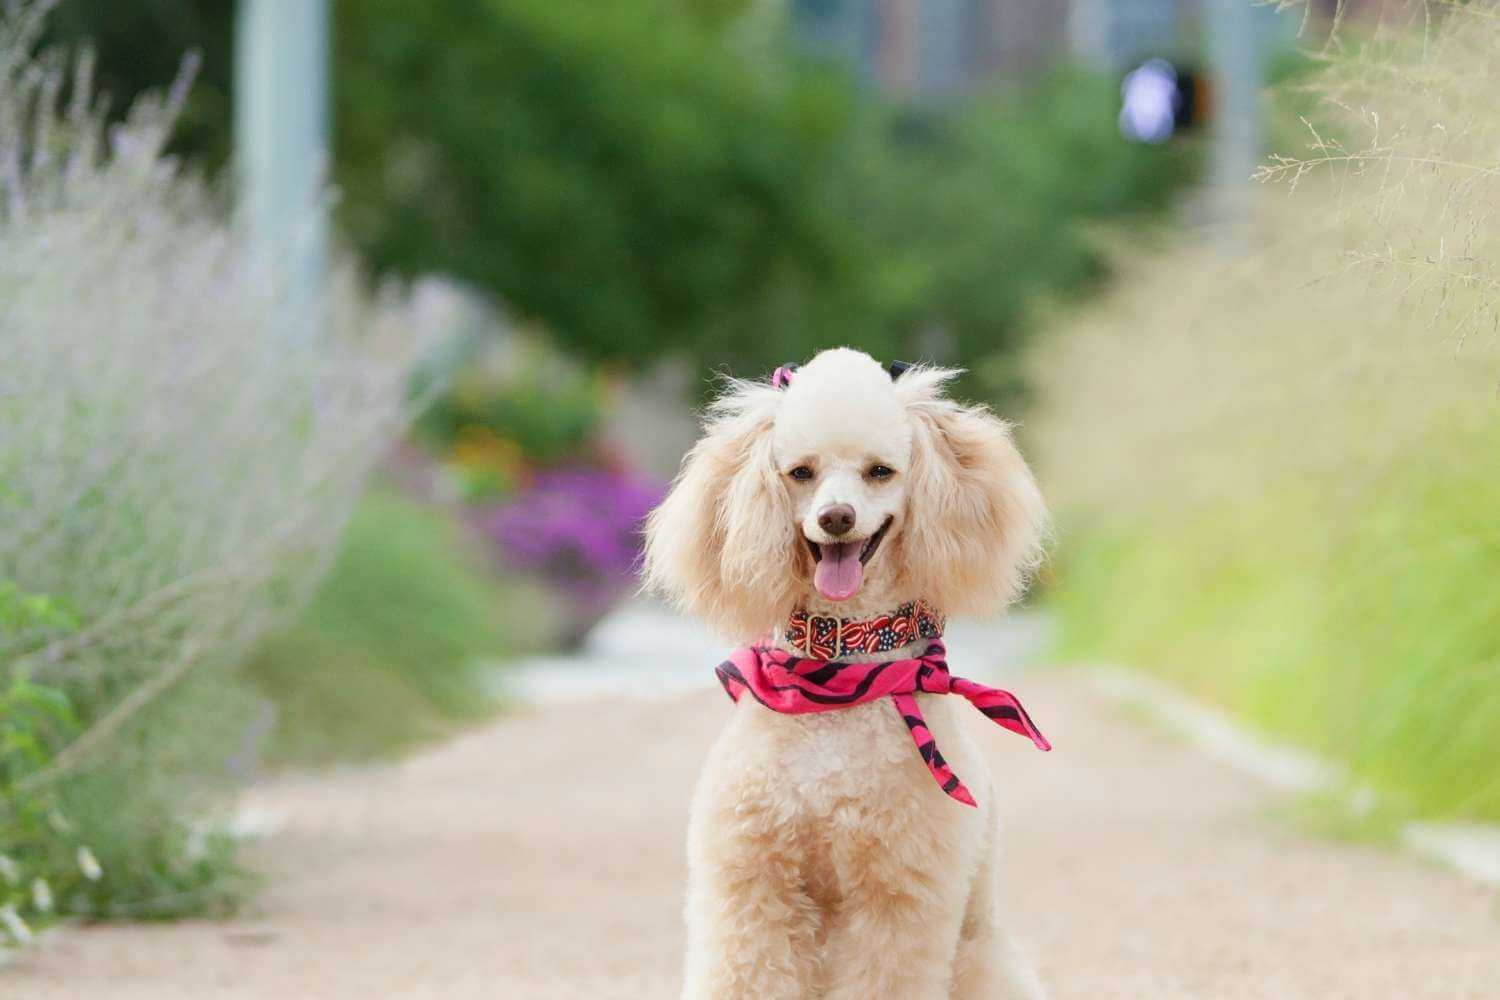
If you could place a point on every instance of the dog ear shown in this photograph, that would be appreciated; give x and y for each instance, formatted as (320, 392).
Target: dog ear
(975, 522)
(723, 545)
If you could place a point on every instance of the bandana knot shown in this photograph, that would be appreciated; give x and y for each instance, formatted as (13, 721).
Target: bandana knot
(793, 685)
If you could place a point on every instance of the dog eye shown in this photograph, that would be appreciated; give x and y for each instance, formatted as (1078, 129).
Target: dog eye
(801, 472)
(881, 472)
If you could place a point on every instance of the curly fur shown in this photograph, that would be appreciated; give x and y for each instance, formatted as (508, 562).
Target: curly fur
(723, 544)
(977, 519)
(824, 862)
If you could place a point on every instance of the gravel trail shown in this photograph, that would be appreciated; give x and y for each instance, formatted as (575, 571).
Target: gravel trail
(541, 857)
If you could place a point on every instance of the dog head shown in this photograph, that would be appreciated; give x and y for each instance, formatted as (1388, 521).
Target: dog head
(849, 487)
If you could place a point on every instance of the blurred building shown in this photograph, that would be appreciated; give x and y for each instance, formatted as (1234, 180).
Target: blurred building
(1116, 33)
(935, 48)
(932, 49)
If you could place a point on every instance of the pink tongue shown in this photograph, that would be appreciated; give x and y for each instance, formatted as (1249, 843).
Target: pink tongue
(839, 571)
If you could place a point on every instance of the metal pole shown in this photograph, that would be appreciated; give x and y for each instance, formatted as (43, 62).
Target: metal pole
(1236, 58)
(282, 146)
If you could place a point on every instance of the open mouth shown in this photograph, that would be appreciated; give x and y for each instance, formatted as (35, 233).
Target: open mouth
(841, 565)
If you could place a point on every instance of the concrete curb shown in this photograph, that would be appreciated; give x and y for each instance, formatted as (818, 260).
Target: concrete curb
(1472, 850)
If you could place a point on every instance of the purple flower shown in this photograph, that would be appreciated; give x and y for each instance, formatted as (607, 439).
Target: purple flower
(580, 528)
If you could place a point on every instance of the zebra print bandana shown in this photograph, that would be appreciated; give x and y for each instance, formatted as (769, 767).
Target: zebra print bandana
(793, 685)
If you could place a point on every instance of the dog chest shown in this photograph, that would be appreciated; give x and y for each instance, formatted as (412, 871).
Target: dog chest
(822, 760)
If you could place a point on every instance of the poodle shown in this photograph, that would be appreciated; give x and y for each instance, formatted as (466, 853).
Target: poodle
(843, 507)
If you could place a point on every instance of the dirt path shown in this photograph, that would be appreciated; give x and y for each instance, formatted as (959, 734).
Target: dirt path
(542, 858)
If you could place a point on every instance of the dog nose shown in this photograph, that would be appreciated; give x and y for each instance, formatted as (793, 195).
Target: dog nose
(837, 519)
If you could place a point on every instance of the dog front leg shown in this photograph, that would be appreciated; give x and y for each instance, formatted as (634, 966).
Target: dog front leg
(990, 965)
(752, 928)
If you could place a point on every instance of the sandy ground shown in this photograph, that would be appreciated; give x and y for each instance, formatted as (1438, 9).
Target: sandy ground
(541, 857)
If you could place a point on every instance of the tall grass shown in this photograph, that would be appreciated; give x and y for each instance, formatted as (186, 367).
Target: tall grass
(1277, 472)
(171, 474)
(393, 648)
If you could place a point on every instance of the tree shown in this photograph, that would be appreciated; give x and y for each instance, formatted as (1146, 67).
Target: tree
(140, 46)
(617, 170)
(646, 177)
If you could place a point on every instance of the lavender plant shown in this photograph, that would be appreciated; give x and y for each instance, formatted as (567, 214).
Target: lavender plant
(169, 470)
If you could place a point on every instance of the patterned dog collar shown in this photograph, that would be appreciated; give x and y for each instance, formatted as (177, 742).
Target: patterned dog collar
(825, 638)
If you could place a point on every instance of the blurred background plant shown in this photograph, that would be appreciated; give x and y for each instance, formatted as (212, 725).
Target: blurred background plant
(1287, 503)
(512, 403)
(579, 529)
(676, 178)
(175, 471)
(398, 645)
(516, 443)
(43, 867)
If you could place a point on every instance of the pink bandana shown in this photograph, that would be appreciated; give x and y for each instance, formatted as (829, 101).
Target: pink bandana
(793, 685)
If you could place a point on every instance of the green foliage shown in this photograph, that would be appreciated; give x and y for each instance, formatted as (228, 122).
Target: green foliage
(549, 424)
(392, 650)
(42, 865)
(645, 178)
(975, 215)
(80, 847)
(617, 170)
(152, 807)
(634, 182)
(141, 45)
(1274, 469)
(1371, 635)
(519, 404)
(1339, 592)
(23, 616)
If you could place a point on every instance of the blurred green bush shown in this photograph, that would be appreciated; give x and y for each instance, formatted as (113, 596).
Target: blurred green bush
(42, 864)
(507, 407)
(395, 647)
(972, 217)
(671, 176)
